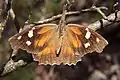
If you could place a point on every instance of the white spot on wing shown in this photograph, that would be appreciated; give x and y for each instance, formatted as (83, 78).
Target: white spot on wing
(28, 43)
(87, 45)
(97, 40)
(30, 34)
(19, 37)
(87, 36)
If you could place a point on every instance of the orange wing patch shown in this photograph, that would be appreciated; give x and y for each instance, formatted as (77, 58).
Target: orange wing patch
(73, 37)
(51, 48)
(76, 30)
(44, 52)
(44, 39)
(66, 50)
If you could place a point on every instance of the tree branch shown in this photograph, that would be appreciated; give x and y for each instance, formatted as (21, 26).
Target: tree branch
(12, 66)
(97, 25)
(68, 13)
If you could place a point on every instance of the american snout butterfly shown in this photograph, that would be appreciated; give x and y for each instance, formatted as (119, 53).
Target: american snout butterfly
(49, 43)
(55, 44)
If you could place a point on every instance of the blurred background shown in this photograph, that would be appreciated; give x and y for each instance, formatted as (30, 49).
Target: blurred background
(103, 66)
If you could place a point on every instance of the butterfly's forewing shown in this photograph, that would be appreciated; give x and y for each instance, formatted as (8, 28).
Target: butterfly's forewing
(33, 39)
(84, 40)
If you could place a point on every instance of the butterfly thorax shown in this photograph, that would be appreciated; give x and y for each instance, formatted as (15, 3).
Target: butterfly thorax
(61, 28)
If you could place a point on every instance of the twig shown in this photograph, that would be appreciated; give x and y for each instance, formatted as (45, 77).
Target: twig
(104, 16)
(68, 13)
(4, 12)
(100, 12)
(8, 12)
(12, 66)
(97, 25)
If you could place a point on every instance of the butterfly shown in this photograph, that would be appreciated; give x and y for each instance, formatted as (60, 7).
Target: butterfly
(51, 44)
